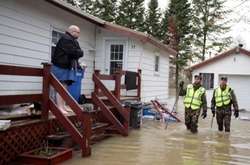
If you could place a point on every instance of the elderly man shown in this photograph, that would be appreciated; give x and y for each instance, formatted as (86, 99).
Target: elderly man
(65, 60)
(194, 100)
(223, 99)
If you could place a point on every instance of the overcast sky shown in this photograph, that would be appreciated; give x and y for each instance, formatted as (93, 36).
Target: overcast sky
(162, 3)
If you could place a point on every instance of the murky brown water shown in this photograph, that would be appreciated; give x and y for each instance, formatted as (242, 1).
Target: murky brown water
(153, 145)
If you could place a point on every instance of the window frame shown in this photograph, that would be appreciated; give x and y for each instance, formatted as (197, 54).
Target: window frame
(157, 63)
(207, 80)
(116, 56)
(59, 34)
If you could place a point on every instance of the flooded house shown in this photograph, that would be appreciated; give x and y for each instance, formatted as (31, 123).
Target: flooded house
(29, 31)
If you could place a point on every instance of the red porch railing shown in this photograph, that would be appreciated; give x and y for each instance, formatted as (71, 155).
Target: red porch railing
(119, 86)
(48, 104)
(112, 108)
(114, 112)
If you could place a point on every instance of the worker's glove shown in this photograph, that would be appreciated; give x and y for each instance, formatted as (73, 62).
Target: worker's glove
(204, 114)
(213, 112)
(236, 113)
(181, 84)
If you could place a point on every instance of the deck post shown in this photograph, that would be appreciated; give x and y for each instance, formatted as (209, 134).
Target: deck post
(96, 89)
(118, 76)
(45, 94)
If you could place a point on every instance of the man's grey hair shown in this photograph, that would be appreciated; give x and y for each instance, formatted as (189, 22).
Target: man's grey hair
(73, 28)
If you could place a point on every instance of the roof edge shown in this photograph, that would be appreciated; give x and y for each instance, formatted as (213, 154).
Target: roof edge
(140, 36)
(220, 56)
(77, 11)
(113, 27)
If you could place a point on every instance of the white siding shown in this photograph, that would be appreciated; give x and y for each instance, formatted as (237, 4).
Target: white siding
(154, 85)
(236, 64)
(103, 36)
(138, 56)
(25, 40)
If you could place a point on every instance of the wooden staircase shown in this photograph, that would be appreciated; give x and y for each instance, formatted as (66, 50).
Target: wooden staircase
(110, 106)
(108, 116)
(80, 137)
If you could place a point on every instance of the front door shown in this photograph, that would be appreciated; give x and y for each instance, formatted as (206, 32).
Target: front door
(115, 54)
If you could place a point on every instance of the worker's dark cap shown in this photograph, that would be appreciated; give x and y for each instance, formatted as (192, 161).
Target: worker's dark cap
(197, 77)
(223, 78)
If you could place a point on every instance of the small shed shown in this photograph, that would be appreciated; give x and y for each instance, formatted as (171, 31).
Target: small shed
(234, 64)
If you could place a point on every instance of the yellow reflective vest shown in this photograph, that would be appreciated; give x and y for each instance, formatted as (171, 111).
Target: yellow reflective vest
(193, 98)
(222, 97)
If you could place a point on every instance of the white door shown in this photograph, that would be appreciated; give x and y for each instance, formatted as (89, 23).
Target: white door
(241, 87)
(115, 56)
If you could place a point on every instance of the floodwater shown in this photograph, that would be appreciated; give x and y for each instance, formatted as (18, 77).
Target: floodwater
(154, 145)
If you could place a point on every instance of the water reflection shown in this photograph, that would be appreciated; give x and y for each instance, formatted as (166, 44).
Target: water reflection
(153, 145)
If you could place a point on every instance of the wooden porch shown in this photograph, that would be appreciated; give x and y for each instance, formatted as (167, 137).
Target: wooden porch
(84, 127)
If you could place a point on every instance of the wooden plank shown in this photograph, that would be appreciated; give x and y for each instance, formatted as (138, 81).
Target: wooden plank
(129, 98)
(158, 106)
(20, 71)
(16, 124)
(45, 103)
(111, 98)
(106, 77)
(19, 117)
(18, 99)
(167, 111)
(109, 115)
(117, 93)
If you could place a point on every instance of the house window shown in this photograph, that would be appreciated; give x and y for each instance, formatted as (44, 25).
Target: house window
(116, 57)
(56, 35)
(157, 63)
(207, 80)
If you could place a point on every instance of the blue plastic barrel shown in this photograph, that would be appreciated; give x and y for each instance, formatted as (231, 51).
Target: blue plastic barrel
(75, 88)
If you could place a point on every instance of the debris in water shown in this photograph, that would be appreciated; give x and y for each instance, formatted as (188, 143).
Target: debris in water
(245, 118)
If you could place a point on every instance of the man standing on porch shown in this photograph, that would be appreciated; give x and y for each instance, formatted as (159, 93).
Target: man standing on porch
(65, 60)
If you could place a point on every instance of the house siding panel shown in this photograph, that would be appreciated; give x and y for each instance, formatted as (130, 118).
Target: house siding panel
(25, 32)
(139, 56)
(154, 85)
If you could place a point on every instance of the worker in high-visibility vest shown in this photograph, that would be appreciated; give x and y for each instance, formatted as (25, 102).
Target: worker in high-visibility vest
(221, 104)
(194, 101)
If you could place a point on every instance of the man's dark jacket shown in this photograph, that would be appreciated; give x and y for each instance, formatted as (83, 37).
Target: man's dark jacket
(67, 52)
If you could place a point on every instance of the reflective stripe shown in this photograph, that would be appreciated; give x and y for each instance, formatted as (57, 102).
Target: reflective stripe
(193, 99)
(222, 97)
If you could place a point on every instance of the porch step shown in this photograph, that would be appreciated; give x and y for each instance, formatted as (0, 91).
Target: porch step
(111, 130)
(103, 97)
(63, 139)
(99, 127)
(124, 98)
(96, 128)
(94, 111)
(99, 137)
